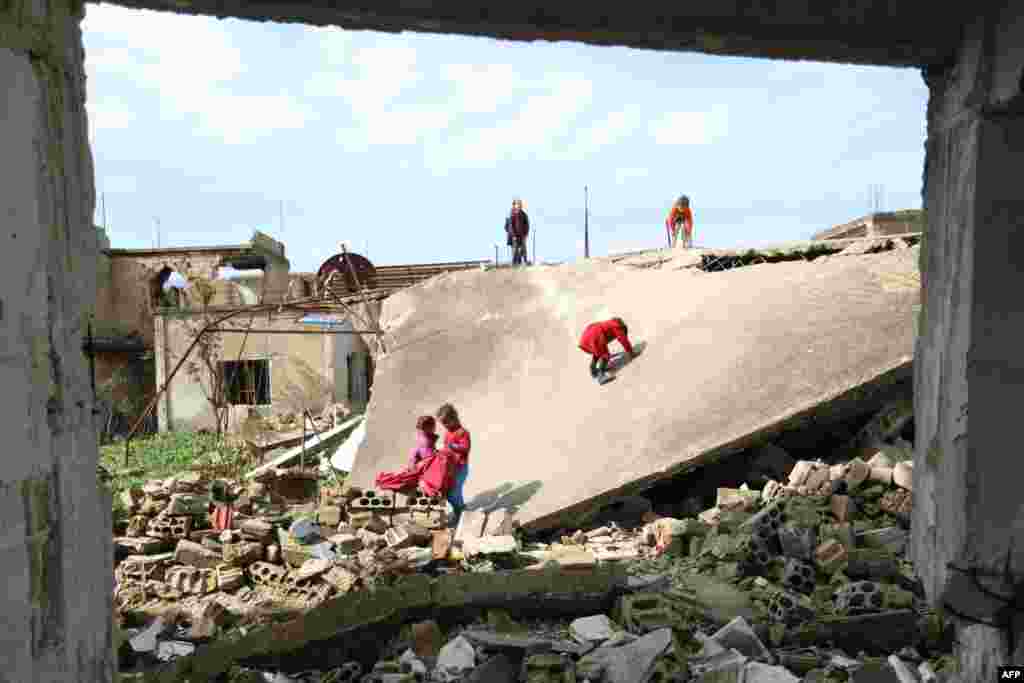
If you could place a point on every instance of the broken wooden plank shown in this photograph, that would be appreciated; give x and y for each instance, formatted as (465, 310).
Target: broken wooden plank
(310, 447)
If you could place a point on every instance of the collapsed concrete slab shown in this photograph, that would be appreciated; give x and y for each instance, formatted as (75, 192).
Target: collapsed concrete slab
(726, 359)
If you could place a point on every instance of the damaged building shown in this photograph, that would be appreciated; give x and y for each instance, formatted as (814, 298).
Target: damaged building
(314, 350)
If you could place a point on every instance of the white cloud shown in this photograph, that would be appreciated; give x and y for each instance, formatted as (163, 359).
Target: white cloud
(690, 127)
(603, 133)
(541, 119)
(380, 75)
(241, 118)
(395, 127)
(482, 88)
(192, 63)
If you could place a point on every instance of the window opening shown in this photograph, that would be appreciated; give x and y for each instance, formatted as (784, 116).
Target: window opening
(246, 382)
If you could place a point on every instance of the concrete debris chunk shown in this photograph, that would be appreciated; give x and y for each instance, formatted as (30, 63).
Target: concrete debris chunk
(490, 545)
(346, 544)
(329, 516)
(892, 539)
(196, 555)
(341, 578)
(242, 554)
(187, 504)
(736, 499)
(738, 635)
(230, 578)
(411, 664)
(455, 660)
(830, 556)
(720, 667)
(311, 568)
(592, 629)
(903, 475)
(881, 475)
(631, 662)
(758, 672)
(817, 477)
(711, 516)
(169, 650)
(497, 669)
(798, 542)
(857, 472)
(371, 521)
(903, 672)
(146, 640)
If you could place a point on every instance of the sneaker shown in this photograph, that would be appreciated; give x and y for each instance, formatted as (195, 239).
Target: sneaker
(604, 378)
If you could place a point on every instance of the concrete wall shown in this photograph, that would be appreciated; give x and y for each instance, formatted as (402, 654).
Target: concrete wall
(55, 546)
(967, 491)
(306, 370)
(875, 225)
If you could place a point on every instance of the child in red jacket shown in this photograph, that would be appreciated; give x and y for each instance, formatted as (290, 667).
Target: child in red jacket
(595, 341)
(456, 442)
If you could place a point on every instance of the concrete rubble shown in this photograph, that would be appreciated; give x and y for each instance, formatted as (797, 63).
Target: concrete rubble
(802, 579)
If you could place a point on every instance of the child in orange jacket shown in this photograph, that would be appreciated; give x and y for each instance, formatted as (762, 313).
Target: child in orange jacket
(679, 224)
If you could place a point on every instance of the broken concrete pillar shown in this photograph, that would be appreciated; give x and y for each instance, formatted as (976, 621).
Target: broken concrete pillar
(966, 487)
(58, 560)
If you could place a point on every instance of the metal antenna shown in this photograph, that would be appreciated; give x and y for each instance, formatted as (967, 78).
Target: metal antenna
(586, 224)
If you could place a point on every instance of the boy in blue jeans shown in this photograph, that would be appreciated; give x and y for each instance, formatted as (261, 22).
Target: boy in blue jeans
(456, 441)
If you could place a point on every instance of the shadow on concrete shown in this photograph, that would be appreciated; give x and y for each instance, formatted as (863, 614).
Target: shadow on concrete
(619, 361)
(506, 495)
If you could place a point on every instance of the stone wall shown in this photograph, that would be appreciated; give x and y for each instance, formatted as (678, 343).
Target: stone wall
(54, 517)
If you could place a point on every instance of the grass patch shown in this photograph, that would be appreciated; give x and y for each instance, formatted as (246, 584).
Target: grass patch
(169, 453)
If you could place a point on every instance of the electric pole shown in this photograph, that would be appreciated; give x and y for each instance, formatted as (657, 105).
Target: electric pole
(586, 224)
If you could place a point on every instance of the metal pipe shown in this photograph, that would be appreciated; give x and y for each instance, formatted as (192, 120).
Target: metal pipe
(269, 331)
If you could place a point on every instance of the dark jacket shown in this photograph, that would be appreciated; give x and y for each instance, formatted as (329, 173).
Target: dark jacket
(517, 230)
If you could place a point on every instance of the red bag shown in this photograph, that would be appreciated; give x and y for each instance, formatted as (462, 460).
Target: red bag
(398, 481)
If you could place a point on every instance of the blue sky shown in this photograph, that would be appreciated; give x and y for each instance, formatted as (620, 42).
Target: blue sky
(410, 147)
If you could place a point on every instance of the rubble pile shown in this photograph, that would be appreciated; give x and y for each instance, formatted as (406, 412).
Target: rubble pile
(803, 579)
(189, 571)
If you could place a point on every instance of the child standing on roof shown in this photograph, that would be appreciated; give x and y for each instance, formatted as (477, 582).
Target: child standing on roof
(679, 224)
(457, 444)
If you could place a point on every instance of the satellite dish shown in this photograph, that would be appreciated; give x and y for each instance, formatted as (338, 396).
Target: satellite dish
(343, 265)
